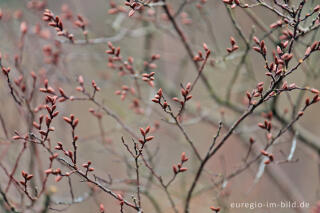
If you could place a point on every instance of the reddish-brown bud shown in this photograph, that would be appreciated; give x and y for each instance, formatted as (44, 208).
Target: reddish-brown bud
(183, 169)
(174, 168)
(216, 209)
(149, 138)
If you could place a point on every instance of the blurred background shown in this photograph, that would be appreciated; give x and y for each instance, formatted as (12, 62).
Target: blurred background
(140, 36)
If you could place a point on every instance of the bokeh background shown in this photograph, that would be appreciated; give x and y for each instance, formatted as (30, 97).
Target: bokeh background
(100, 142)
